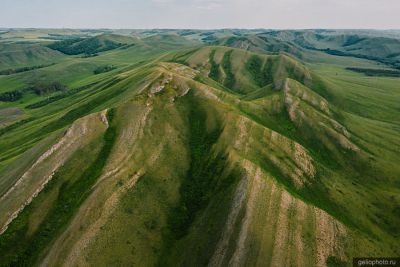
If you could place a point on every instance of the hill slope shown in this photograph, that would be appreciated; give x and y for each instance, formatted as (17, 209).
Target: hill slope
(261, 43)
(26, 55)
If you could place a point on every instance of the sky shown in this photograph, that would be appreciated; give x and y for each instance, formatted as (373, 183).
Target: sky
(201, 14)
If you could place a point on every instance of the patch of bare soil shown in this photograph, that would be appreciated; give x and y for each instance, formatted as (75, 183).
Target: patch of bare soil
(328, 234)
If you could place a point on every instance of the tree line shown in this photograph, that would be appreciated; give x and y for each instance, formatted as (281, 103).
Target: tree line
(41, 88)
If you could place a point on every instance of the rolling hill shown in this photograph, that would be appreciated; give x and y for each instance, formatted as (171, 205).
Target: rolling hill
(25, 55)
(262, 44)
(197, 155)
(92, 45)
(354, 44)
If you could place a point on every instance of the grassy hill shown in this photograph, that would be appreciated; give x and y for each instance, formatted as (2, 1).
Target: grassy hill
(355, 44)
(262, 44)
(188, 155)
(169, 41)
(92, 45)
(26, 55)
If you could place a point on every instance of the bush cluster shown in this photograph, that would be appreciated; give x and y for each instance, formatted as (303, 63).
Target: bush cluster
(11, 96)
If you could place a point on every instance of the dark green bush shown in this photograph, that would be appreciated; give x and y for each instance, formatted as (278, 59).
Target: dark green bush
(262, 76)
(105, 68)
(229, 81)
(11, 96)
(45, 88)
(89, 46)
(62, 95)
(333, 261)
(376, 72)
(214, 69)
(23, 69)
(199, 183)
(14, 126)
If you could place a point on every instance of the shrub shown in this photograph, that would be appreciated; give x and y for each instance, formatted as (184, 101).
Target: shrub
(333, 261)
(88, 47)
(23, 69)
(229, 81)
(44, 88)
(11, 96)
(103, 69)
(261, 76)
(377, 72)
(214, 69)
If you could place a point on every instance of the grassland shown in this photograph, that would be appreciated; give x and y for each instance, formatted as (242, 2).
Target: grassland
(184, 154)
